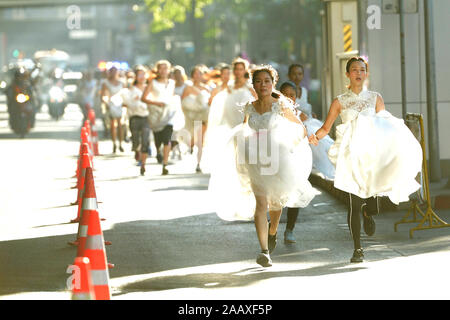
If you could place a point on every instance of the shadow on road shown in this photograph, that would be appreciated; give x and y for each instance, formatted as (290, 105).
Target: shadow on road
(148, 246)
(228, 280)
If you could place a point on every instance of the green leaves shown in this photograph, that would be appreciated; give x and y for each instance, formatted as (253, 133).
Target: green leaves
(168, 12)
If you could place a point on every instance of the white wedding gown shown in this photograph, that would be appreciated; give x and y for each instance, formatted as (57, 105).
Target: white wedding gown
(375, 153)
(195, 108)
(267, 156)
(224, 114)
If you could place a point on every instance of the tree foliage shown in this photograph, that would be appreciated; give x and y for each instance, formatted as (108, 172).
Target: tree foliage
(279, 29)
(166, 13)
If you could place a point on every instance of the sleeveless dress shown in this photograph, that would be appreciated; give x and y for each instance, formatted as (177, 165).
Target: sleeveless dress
(267, 156)
(375, 153)
(179, 90)
(171, 113)
(195, 108)
(232, 104)
(115, 101)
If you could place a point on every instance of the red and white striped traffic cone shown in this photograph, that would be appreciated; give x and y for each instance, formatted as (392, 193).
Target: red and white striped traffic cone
(94, 132)
(82, 287)
(95, 251)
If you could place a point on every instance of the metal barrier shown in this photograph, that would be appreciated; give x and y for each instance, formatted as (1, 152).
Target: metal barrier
(430, 219)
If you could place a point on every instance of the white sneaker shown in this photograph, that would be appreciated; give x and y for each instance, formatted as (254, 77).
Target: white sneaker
(263, 259)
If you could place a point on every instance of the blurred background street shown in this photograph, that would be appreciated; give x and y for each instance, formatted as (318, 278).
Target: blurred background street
(167, 240)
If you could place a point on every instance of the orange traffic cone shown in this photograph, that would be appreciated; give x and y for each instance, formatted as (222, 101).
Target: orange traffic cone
(89, 204)
(77, 171)
(94, 133)
(82, 287)
(95, 251)
(89, 135)
(82, 140)
(85, 163)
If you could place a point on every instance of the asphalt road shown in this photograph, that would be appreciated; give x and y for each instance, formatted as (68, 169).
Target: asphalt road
(169, 244)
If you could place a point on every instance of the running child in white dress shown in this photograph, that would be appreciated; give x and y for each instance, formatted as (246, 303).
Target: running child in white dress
(375, 153)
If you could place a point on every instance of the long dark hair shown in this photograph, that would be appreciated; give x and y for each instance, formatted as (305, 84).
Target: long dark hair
(271, 72)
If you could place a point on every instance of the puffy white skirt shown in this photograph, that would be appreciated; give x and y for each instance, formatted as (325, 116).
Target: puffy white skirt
(274, 163)
(376, 154)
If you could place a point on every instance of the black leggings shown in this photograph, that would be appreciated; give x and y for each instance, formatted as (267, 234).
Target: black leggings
(163, 137)
(355, 209)
(292, 214)
(140, 133)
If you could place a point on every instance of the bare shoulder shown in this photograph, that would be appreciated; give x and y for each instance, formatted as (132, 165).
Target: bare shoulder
(336, 105)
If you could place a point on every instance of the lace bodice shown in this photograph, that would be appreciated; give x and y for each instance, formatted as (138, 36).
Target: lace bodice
(353, 103)
(258, 121)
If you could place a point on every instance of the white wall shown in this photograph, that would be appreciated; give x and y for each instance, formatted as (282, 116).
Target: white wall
(384, 64)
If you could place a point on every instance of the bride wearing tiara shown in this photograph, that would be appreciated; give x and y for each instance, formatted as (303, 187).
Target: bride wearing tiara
(266, 164)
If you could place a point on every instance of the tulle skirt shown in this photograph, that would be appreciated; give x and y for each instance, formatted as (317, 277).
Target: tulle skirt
(274, 163)
(233, 103)
(225, 113)
(376, 154)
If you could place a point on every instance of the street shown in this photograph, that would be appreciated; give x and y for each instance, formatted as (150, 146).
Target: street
(168, 243)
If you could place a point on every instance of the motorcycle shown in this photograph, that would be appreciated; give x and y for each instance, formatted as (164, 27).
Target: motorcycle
(57, 102)
(21, 108)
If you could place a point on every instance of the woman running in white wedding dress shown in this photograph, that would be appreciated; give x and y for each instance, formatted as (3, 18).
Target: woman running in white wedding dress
(226, 111)
(268, 166)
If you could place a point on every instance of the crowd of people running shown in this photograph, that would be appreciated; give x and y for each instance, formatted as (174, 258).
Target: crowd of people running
(161, 100)
(260, 141)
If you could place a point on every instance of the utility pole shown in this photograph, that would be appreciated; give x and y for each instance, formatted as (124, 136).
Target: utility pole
(362, 27)
(432, 118)
(402, 58)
